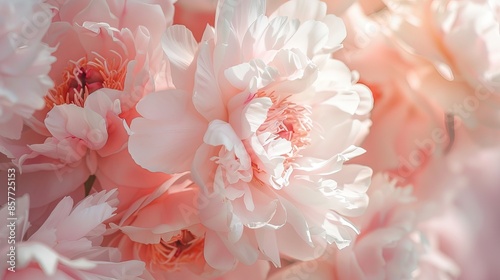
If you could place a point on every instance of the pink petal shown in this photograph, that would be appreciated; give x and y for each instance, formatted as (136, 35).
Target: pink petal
(126, 174)
(73, 121)
(166, 139)
(12, 128)
(48, 185)
(266, 239)
(180, 47)
(216, 253)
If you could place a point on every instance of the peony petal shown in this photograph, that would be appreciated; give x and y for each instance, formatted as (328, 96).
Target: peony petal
(69, 120)
(180, 47)
(239, 14)
(216, 254)
(47, 258)
(266, 239)
(247, 116)
(310, 38)
(302, 9)
(166, 143)
(251, 76)
(297, 221)
(220, 133)
(49, 185)
(12, 128)
(207, 96)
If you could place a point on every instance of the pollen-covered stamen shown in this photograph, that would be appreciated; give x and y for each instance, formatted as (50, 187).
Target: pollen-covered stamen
(289, 121)
(84, 77)
(183, 248)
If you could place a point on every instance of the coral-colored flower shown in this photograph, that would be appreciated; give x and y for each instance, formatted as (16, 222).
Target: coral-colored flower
(67, 246)
(24, 63)
(102, 44)
(265, 120)
(107, 59)
(167, 243)
(172, 244)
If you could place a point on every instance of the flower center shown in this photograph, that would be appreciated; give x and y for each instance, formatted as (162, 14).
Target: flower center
(184, 248)
(289, 121)
(84, 77)
(283, 134)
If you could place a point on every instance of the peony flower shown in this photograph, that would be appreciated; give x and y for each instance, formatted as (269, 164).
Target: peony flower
(393, 244)
(434, 155)
(116, 50)
(172, 245)
(461, 74)
(67, 246)
(408, 127)
(469, 187)
(265, 120)
(167, 244)
(107, 61)
(25, 62)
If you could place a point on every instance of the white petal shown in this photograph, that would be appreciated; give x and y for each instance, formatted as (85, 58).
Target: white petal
(180, 47)
(207, 96)
(247, 116)
(239, 14)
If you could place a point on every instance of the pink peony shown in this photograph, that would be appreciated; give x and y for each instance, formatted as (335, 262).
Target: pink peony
(459, 41)
(107, 60)
(24, 62)
(410, 138)
(167, 244)
(395, 243)
(413, 132)
(467, 179)
(113, 49)
(171, 245)
(408, 128)
(391, 244)
(265, 120)
(67, 246)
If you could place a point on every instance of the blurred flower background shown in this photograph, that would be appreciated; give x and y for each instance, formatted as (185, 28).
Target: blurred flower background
(235, 139)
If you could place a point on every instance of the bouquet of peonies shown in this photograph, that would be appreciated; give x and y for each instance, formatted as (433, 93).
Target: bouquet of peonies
(250, 139)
